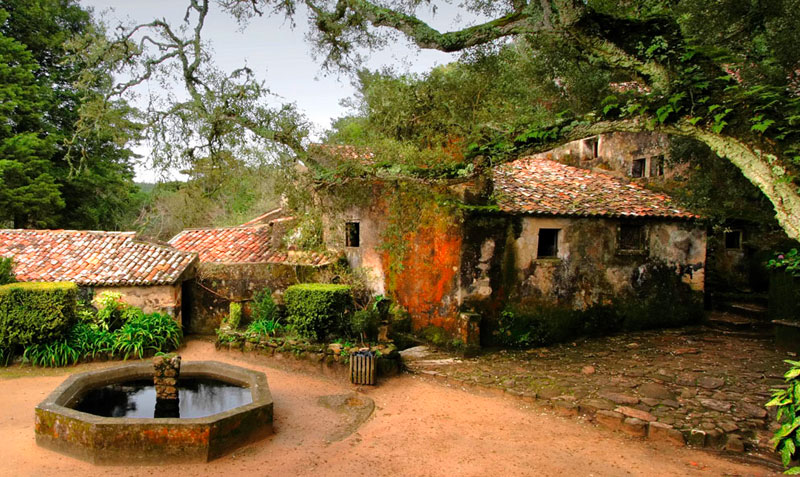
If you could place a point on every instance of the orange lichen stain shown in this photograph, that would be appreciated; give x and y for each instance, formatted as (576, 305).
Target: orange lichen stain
(427, 284)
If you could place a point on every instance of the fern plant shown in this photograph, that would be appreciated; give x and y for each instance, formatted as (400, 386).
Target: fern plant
(787, 400)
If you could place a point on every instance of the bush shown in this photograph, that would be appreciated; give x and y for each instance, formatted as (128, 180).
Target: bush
(155, 332)
(786, 440)
(6, 271)
(114, 312)
(82, 341)
(263, 327)
(317, 310)
(33, 313)
(264, 307)
(365, 323)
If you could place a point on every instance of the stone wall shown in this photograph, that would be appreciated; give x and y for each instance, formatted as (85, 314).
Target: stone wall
(157, 298)
(614, 154)
(424, 277)
(217, 284)
(500, 263)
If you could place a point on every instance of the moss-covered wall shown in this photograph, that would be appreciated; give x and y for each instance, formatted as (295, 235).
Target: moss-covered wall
(500, 264)
(217, 284)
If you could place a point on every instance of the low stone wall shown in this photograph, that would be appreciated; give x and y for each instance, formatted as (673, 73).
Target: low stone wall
(218, 284)
(328, 359)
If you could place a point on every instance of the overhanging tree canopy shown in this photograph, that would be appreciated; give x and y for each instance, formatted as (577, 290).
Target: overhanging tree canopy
(725, 73)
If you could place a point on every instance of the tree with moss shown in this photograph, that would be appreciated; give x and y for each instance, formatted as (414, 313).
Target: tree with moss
(723, 73)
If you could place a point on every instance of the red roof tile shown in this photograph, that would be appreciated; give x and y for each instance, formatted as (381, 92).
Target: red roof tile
(540, 186)
(242, 244)
(92, 258)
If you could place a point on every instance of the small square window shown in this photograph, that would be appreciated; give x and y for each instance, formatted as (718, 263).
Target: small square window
(657, 166)
(352, 234)
(733, 239)
(632, 238)
(548, 243)
(638, 167)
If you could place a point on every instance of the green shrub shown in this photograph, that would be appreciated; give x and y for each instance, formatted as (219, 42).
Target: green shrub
(33, 313)
(155, 332)
(787, 400)
(234, 315)
(520, 327)
(83, 341)
(365, 323)
(114, 312)
(264, 327)
(264, 307)
(6, 271)
(317, 310)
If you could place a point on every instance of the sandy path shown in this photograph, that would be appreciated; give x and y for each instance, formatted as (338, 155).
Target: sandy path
(418, 429)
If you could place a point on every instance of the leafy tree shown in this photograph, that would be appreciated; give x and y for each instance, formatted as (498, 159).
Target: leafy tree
(723, 73)
(44, 184)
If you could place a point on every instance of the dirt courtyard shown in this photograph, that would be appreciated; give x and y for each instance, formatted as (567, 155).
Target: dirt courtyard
(417, 429)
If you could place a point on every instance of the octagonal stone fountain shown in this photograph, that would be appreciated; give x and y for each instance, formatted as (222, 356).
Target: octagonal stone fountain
(113, 416)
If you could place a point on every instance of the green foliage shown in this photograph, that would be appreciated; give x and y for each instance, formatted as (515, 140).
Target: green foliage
(234, 315)
(263, 306)
(154, 332)
(114, 312)
(6, 270)
(264, 327)
(786, 440)
(33, 313)
(317, 310)
(357, 279)
(40, 134)
(660, 299)
(219, 193)
(789, 262)
(82, 342)
(365, 323)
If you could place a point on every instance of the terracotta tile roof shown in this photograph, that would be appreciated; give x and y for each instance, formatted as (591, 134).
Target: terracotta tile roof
(266, 218)
(92, 258)
(539, 186)
(243, 244)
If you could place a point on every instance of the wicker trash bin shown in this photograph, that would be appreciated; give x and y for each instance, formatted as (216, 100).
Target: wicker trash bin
(362, 367)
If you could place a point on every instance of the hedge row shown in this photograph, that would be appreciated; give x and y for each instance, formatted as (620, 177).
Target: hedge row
(318, 310)
(32, 313)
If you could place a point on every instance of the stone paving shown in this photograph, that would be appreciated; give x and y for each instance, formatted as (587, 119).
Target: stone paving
(694, 386)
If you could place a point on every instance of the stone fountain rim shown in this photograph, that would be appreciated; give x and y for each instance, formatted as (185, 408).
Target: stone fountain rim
(69, 391)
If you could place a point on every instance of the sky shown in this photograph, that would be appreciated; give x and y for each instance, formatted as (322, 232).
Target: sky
(279, 55)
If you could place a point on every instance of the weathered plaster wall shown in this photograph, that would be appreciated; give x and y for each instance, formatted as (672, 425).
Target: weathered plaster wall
(217, 284)
(424, 277)
(616, 153)
(159, 298)
(372, 221)
(500, 262)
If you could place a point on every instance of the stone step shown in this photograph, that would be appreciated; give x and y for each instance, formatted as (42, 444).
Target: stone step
(735, 324)
(750, 310)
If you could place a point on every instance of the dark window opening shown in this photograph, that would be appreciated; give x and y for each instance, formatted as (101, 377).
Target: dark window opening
(593, 146)
(631, 237)
(637, 168)
(733, 239)
(657, 166)
(548, 243)
(352, 234)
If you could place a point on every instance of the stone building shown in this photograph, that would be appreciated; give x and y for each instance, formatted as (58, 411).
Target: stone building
(553, 236)
(237, 262)
(148, 275)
